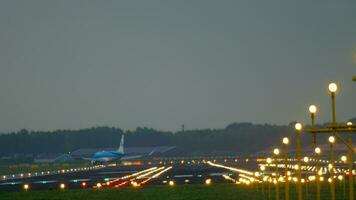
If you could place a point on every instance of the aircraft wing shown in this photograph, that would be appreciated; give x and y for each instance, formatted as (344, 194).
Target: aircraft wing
(137, 156)
(91, 159)
(131, 157)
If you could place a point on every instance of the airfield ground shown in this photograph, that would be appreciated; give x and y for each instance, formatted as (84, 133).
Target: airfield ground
(165, 181)
(155, 192)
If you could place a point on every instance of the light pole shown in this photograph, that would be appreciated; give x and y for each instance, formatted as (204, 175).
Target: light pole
(306, 160)
(269, 161)
(298, 129)
(350, 162)
(276, 153)
(332, 90)
(341, 177)
(331, 167)
(285, 142)
(269, 188)
(317, 151)
(342, 182)
(313, 109)
(263, 168)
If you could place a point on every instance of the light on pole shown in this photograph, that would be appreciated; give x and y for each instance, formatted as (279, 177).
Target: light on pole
(313, 109)
(331, 167)
(317, 151)
(263, 168)
(350, 162)
(269, 161)
(332, 139)
(306, 160)
(343, 159)
(342, 182)
(298, 129)
(332, 89)
(276, 153)
(285, 142)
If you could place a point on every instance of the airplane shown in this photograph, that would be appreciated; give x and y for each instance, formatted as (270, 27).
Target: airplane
(110, 156)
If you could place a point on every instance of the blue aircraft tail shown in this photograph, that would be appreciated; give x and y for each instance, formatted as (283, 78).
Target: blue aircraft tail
(121, 147)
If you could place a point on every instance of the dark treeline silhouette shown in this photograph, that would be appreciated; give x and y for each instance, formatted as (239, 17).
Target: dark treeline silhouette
(236, 138)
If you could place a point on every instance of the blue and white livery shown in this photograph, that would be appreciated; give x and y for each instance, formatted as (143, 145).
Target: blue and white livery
(110, 156)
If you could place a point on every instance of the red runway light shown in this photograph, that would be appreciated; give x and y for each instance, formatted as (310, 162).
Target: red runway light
(84, 184)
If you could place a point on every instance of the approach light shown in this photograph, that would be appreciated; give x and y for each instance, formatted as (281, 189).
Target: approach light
(298, 126)
(62, 186)
(84, 184)
(135, 184)
(285, 140)
(26, 187)
(332, 87)
(320, 172)
(311, 178)
(332, 139)
(343, 159)
(330, 166)
(312, 109)
(276, 151)
(317, 150)
(340, 177)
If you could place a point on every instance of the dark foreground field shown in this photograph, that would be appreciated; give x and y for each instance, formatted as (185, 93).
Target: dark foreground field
(213, 192)
(164, 192)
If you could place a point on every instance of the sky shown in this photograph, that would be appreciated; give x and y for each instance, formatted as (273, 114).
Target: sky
(73, 64)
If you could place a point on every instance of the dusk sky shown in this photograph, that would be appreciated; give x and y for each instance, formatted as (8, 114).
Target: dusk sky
(78, 64)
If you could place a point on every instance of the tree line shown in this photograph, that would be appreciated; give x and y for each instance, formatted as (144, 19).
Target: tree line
(236, 138)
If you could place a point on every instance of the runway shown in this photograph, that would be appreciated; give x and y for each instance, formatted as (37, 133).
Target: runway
(118, 176)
